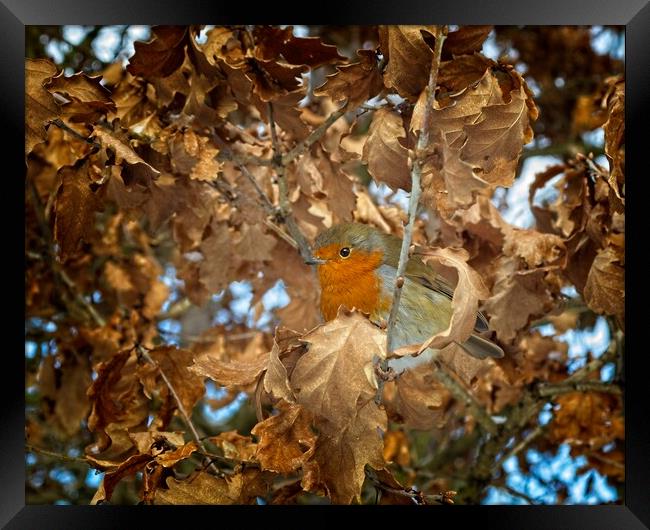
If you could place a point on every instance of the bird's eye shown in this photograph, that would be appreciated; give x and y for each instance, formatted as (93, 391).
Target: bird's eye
(344, 252)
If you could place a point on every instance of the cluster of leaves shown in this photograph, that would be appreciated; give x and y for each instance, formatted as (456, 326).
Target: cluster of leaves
(218, 152)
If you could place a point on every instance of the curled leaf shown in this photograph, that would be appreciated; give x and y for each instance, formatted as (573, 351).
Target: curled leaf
(469, 290)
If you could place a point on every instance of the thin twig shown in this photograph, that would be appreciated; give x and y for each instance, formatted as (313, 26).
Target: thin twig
(313, 137)
(529, 405)
(606, 460)
(63, 126)
(416, 496)
(518, 448)
(460, 393)
(266, 202)
(58, 456)
(227, 192)
(145, 355)
(230, 461)
(556, 389)
(99, 320)
(286, 216)
(243, 159)
(416, 172)
(516, 493)
(595, 364)
(281, 233)
(567, 149)
(176, 310)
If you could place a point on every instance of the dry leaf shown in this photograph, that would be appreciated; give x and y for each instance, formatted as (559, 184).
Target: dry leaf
(615, 138)
(356, 82)
(465, 40)
(386, 157)
(76, 204)
(526, 291)
(89, 100)
(231, 373)
(162, 55)
(235, 446)
(469, 290)
(335, 382)
(204, 488)
(40, 107)
(286, 440)
(499, 135)
(409, 58)
(175, 363)
(605, 288)
(123, 151)
(118, 400)
(254, 243)
(273, 42)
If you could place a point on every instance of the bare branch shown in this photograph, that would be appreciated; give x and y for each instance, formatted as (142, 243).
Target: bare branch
(145, 355)
(99, 320)
(518, 448)
(416, 496)
(556, 389)
(517, 493)
(461, 394)
(266, 202)
(568, 150)
(313, 137)
(63, 126)
(57, 456)
(416, 173)
(286, 216)
(281, 233)
(243, 159)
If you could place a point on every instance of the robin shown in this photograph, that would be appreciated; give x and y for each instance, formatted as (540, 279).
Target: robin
(357, 265)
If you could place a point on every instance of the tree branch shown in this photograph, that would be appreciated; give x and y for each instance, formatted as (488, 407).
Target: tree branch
(518, 448)
(63, 126)
(243, 159)
(267, 204)
(416, 496)
(556, 389)
(570, 149)
(416, 173)
(145, 355)
(530, 404)
(313, 137)
(286, 216)
(460, 393)
(228, 193)
(57, 456)
(516, 493)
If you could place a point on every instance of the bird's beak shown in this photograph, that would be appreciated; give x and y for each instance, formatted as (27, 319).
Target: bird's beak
(313, 260)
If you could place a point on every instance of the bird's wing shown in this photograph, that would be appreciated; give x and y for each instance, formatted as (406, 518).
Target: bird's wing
(418, 271)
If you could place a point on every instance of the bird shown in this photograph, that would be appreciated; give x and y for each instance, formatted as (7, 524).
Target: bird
(357, 265)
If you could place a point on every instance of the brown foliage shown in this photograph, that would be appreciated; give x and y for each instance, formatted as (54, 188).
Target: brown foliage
(200, 158)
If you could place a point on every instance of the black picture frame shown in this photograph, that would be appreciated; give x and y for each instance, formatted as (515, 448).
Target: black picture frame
(634, 14)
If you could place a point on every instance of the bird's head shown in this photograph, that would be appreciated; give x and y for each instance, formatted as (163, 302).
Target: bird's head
(352, 246)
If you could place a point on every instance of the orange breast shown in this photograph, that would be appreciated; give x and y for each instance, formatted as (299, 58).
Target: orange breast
(352, 282)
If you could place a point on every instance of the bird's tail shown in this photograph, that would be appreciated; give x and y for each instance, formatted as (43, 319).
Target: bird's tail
(480, 348)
